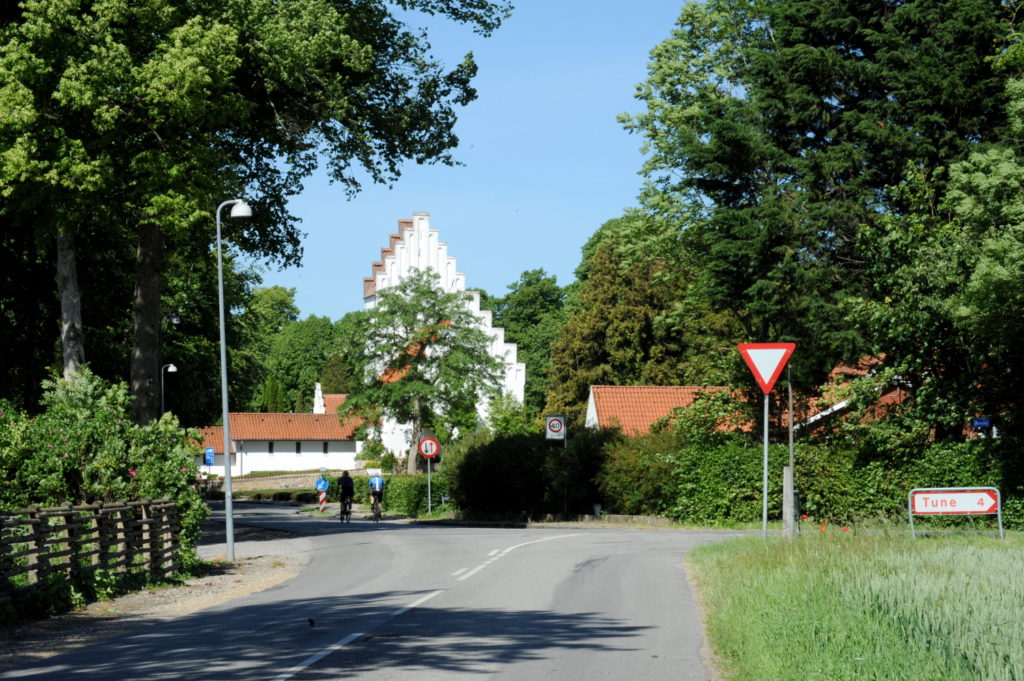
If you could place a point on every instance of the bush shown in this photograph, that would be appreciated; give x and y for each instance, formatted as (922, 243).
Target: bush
(527, 476)
(83, 448)
(407, 494)
(636, 478)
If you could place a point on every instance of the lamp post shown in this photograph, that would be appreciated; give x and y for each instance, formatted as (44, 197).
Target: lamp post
(170, 368)
(239, 209)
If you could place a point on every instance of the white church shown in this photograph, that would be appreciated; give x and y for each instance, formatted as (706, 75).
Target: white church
(417, 246)
(287, 442)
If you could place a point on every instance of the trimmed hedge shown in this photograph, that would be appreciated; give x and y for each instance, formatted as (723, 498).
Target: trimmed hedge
(528, 476)
(723, 483)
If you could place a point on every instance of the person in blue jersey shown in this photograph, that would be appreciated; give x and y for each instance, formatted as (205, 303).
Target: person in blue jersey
(376, 489)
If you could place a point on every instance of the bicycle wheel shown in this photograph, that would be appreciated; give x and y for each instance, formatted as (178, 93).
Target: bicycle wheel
(376, 513)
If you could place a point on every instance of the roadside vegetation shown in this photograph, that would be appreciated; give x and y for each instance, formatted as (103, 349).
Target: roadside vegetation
(864, 606)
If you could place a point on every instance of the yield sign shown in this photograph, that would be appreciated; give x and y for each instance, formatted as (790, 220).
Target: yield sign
(766, 361)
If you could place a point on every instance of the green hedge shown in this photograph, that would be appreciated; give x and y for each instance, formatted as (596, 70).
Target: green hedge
(724, 483)
(528, 476)
(403, 494)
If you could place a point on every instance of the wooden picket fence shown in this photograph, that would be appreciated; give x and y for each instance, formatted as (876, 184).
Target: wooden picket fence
(69, 543)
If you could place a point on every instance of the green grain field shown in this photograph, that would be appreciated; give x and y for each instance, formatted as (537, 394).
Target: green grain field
(848, 606)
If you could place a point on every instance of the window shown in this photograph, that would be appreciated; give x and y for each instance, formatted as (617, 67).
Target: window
(298, 447)
(325, 446)
(270, 447)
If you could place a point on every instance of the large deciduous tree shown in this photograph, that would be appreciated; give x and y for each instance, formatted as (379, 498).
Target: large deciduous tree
(779, 137)
(421, 358)
(532, 313)
(134, 120)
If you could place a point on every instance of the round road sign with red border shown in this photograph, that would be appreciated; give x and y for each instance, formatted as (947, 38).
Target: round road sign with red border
(555, 427)
(429, 447)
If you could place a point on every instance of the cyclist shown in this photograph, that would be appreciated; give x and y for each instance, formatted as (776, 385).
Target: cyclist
(346, 491)
(376, 489)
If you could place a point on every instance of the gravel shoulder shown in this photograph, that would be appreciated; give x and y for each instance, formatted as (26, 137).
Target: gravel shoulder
(30, 642)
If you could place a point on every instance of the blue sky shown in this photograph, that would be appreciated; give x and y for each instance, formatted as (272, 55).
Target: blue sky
(546, 162)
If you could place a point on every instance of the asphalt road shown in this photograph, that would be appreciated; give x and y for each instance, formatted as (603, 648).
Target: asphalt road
(420, 603)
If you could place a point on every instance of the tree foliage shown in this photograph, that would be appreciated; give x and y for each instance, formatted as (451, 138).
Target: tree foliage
(780, 134)
(421, 358)
(532, 312)
(84, 447)
(132, 121)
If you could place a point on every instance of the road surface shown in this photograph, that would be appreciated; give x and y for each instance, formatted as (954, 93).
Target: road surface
(424, 603)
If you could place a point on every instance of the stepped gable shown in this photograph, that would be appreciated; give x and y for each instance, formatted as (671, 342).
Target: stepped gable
(370, 282)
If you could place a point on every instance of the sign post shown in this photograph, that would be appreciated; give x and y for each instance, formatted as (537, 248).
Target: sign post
(429, 448)
(321, 487)
(554, 428)
(766, 361)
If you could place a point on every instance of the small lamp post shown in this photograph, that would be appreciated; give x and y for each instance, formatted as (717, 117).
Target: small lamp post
(239, 209)
(171, 369)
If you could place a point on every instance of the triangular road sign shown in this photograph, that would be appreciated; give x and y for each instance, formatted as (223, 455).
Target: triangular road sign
(766, 361)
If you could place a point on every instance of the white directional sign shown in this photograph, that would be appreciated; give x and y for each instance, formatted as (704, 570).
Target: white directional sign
(766, 361)
(954, 502)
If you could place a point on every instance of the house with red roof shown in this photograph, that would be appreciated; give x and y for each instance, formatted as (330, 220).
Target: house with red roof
(635, 408)
(286, 442)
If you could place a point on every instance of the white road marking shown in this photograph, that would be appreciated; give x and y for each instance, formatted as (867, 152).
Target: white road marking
(313, 659)
(459, 572)
(472, 572)
(334, 647)
(496, 554)
(417, 602)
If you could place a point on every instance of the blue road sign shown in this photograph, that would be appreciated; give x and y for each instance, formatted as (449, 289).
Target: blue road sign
(209, 456)
(322, 484)
(981, 423)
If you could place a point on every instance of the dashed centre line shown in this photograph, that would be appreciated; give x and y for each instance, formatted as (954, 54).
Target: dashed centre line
(459, 574)
(501, 553)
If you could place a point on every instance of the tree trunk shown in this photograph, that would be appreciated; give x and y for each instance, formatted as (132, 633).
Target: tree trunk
(146, 360)
(417, 433)
(72, 336)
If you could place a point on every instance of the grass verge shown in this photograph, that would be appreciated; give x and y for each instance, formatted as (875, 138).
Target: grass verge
(864, 607)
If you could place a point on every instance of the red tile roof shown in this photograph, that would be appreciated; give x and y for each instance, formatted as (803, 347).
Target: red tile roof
(333, 401)
(636, 408)
(255, 426)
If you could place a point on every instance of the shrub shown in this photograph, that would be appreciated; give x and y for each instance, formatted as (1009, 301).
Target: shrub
(637, 474)
(83, 447)
(526, 475)
(407, 494)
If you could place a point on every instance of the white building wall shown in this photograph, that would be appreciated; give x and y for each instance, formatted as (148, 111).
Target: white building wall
(254, 455)
(421, 248)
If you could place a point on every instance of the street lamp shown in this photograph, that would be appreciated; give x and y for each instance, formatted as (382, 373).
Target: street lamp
(239, 209)
(171, 369)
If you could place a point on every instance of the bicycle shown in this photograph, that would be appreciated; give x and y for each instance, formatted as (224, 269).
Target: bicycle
(376, 511)
(346, 510)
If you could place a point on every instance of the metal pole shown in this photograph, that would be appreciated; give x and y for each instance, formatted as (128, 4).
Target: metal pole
(428, 486)
(789, 381)
(229, 528)
(764, 491)
(788, 498)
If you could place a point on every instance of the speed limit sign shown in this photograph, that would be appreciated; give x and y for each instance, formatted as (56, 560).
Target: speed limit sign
(555, 427)
(429, 447)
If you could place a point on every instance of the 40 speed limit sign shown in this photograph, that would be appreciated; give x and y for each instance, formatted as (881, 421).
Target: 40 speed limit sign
(554, 427)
